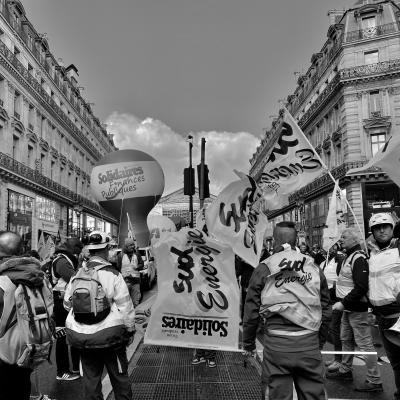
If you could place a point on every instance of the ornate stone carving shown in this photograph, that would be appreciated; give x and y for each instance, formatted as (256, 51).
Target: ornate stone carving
(53, 152)
(31, 136)
(337, 135)
(63, 159)
(43, 144)
(377, 122)
(17, 125)
(326, 145)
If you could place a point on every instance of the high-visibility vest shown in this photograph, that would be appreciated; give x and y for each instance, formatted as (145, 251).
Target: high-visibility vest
(129, 267)
(384, 276)
(293, 290)
(345, 283)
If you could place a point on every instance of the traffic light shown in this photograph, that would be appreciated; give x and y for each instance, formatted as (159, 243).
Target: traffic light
(188, 181)
(204, 184)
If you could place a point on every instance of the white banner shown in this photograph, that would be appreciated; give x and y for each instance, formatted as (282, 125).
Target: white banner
(197, 304)
(292, 164)
(335, 221)
(386, 158)
(236, 217)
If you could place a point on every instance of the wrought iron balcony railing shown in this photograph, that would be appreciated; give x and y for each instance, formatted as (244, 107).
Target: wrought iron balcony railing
(10, 164)
(372, 32)
(371, 69)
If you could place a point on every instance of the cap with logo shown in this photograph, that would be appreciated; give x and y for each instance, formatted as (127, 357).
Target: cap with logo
(98, 240)
(380, 219)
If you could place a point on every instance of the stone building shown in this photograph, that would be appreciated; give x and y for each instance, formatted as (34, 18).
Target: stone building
(347, 104)
(50, 138)
(176, 204)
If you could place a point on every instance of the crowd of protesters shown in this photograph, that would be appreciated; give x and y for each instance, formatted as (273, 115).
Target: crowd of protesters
(298, 298)
(305, 297)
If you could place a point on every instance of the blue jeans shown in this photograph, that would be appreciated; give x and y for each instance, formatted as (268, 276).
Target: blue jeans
(356, 331)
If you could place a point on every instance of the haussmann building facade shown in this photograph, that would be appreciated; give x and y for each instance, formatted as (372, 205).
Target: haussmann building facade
(347, 104)
(50, 139)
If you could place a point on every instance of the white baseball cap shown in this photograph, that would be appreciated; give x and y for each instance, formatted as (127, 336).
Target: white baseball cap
(380, 219)
(98, 240)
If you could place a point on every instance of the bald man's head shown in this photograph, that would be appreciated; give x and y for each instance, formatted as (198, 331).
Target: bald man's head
(10, 244)
(285, 232)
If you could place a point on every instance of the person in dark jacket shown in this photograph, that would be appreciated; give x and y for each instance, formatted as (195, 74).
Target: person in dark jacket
(64, 267)
(351, 290)
(291, 293)
(15, 381)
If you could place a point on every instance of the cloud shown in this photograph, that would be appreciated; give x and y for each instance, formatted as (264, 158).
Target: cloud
(224, 152)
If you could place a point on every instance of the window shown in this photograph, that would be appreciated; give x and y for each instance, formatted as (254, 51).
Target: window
(16, 51)
(61, 175)
(17, 105)
(15, 147)
(52, 164)
(2, 91)
(30, 156)
(375, 103)
(42, 161)
(371, 57)
(377, 141)
(368, 26)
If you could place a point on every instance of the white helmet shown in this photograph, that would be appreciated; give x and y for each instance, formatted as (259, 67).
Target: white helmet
(381, 218)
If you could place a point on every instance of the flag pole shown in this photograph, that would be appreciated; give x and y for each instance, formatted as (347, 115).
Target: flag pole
(326, 170)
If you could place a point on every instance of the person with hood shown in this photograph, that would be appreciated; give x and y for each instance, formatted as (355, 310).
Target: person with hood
(102, 330)
(15, 380)
(64, 266)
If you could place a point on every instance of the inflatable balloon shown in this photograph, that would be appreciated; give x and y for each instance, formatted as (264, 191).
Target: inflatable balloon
(158, 224)
(128, 184)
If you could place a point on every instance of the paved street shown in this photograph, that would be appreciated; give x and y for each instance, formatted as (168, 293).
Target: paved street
(166, 373)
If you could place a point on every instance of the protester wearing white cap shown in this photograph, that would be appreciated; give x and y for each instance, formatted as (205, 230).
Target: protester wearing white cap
(384, 285)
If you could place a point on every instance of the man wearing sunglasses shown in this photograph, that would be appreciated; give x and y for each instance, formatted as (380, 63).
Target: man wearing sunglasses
(102, 336)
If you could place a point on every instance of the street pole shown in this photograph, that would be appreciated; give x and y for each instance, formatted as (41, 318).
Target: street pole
(191, 183)
(201, 181)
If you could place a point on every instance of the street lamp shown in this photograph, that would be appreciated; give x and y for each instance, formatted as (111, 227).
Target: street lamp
(78, 211)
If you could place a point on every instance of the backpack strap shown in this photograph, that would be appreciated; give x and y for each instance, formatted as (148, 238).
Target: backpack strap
(30, 311)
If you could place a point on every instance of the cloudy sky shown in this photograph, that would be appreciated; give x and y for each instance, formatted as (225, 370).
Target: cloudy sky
(157, 70)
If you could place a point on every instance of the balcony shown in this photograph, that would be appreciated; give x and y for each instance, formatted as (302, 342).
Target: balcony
(361, 71)
(30, 177)
(372, 32)
(30, 80)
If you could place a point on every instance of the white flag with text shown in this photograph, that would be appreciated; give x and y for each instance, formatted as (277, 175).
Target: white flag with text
(236, 217)
(197, 303)
(387, 158)
(292, 164)
(335, 221)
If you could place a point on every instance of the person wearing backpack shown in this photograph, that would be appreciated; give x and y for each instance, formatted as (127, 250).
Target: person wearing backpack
(26, 325)
(351, 291)
(63, 267)
(101, 320)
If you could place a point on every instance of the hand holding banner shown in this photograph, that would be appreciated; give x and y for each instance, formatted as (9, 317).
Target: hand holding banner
(236, 217)
(197, 305)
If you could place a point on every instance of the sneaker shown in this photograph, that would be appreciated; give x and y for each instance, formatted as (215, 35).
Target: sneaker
(67, 376)
(211, 363)
(342, 376)
(329, 362)
(370, 387)
(198, 360)
(333, 366)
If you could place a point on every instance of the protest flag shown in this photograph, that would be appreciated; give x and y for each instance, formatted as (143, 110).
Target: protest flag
(387, 158)
(236, 217)
(292, 164)
(131, 235)
(41, 246)
(50, 247)
(335, 222)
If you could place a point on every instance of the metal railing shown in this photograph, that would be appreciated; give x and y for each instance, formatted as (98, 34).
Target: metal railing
(370, 69)
(10, 164)
(372, 32)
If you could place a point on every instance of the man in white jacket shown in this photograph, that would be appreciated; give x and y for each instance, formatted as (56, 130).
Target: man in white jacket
(102, 335)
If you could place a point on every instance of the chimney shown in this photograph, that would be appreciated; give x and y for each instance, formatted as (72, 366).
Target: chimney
(335, 16)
